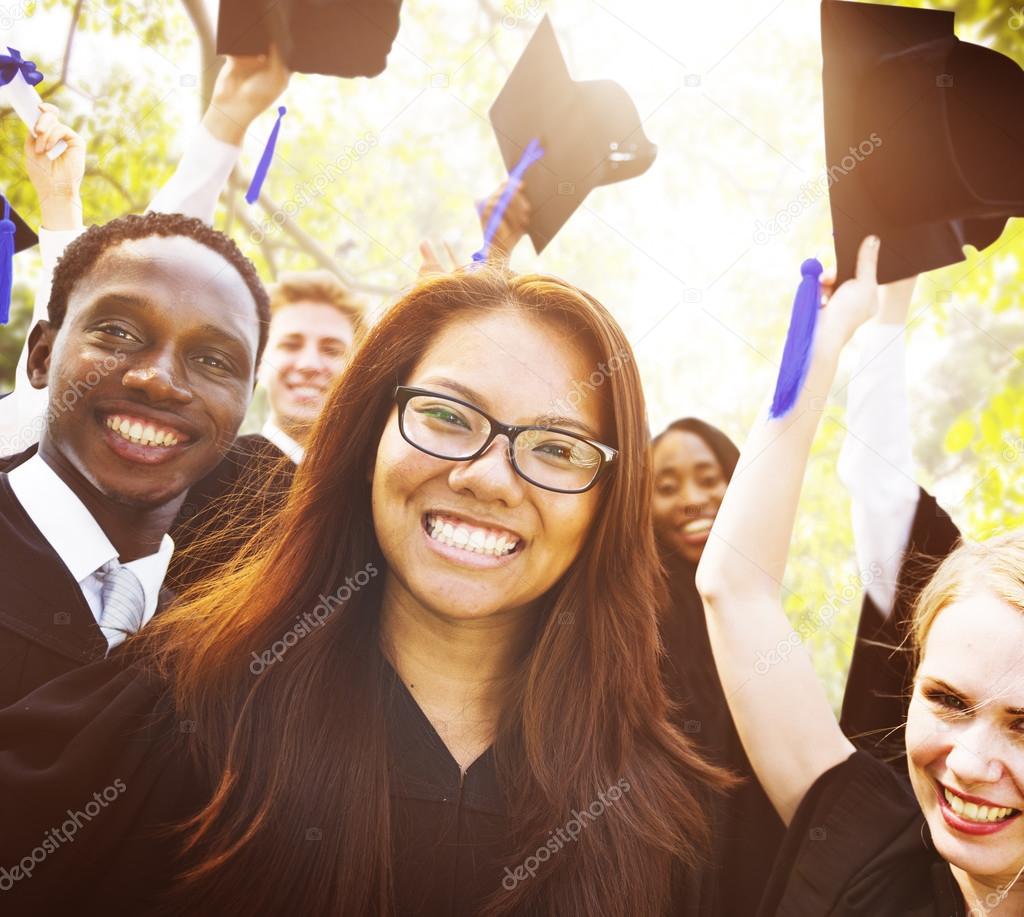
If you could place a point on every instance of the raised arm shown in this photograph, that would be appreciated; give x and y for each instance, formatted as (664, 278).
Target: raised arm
(780, 709)
(57, 184)
(876, 463)
(514, 223)
(245, 88)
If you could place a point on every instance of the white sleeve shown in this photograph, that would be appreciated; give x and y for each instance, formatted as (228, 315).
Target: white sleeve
(201, 175)
(23, 412)
(876, 463)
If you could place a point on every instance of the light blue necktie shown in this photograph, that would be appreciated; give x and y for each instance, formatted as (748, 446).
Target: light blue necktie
(123, 600)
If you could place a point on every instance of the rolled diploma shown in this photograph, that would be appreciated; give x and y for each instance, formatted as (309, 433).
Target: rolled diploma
(25, 101)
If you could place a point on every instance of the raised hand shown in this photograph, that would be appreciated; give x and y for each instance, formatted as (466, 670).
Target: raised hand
(245, 88)
(58, 181)
(432, 263)
(514, 223)
(845, 309)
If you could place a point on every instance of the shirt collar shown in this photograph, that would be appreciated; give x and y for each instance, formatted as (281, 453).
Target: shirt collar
(283, 441)
(74, 534)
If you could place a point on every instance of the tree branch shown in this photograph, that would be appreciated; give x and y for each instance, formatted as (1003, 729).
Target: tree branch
(265, 244)
(305, 242)
(116, 185)
(73, 28)
(209, 62)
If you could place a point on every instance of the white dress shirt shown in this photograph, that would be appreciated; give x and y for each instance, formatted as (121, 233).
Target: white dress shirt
(193, 189)
(283, 441)
(78, 540)
(876, 463)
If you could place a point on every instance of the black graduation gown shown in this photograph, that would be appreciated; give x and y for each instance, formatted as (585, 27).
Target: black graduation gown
(221, 511)
(105, 729)
(747, 830)
(47, 627)
(859, 846)
(881, 671)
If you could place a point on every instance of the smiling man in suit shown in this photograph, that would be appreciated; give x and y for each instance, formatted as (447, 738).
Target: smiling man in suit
(155, 328)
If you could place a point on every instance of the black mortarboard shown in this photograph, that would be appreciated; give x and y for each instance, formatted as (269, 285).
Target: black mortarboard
(345, 38)
(590, 133)
(923, 134)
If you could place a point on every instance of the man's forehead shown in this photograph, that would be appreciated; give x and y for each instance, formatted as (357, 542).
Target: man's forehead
(163, 253)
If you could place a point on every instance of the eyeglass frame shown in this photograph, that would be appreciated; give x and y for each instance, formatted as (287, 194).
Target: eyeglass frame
(405, 393)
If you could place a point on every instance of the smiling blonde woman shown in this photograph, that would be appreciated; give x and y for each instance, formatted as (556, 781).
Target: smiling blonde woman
(861, 842)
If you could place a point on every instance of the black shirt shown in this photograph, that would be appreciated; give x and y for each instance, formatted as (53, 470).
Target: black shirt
(225, 508)
(859, 846)
(747, 829)
(106, 728)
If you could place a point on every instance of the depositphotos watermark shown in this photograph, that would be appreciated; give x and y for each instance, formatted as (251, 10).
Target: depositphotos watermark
(310, 190)
(309, 621)
(809, 623)
(583, 388)
(815, 190)
(568, 833)
(65, 834)
(66, 401)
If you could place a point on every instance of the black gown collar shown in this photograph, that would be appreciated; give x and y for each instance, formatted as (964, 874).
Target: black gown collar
(423, 768)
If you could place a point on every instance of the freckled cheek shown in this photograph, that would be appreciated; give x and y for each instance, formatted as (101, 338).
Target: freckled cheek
(399, 469)
(928, 740)
(566, 525)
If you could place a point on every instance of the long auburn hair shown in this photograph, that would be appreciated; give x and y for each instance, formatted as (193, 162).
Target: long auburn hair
(305, 744)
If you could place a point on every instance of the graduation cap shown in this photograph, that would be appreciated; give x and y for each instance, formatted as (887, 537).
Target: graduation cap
(15, 236)
(924, 136)
(590, 133)
(346, 38)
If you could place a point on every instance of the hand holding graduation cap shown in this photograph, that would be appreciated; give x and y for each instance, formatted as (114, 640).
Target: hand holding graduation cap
(514, 223)
(853, 302)
(245, 88)
(57, 181)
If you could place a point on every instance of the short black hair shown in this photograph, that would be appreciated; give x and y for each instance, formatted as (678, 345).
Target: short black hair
(82, 254)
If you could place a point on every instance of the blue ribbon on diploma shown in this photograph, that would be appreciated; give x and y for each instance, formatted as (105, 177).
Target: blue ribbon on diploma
(531, 154)
(11, 63)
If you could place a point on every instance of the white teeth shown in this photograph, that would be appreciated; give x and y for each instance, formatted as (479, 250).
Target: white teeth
(974, 812)
(135, 432)
(473, 540)
(697, 525)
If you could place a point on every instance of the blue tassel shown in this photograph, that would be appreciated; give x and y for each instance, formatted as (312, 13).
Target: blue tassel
(253, 194)
(796, 356)
(531, 154)
(6, 262)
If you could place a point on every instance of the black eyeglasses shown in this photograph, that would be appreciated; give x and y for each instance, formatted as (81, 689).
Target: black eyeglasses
(453, 429)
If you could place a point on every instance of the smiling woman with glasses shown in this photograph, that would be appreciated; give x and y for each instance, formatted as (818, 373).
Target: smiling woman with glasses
(430, 685)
